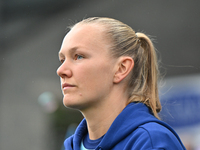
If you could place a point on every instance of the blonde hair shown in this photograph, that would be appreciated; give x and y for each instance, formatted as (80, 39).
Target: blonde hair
(142, 86)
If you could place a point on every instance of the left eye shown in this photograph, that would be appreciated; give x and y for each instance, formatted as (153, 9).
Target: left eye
(78, 57)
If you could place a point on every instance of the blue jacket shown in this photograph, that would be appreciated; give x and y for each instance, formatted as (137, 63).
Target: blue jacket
(135, 128)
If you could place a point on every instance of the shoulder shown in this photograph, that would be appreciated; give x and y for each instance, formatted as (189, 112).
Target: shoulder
(158, 136)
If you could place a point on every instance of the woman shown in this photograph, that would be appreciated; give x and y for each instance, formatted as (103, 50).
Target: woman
(109, 73)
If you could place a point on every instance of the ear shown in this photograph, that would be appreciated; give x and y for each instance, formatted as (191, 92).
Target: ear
(125, 65)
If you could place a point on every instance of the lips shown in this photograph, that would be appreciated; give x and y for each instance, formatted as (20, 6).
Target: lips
(66, 85)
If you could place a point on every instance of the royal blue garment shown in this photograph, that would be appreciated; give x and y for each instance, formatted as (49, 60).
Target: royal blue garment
(91, 144)
(135, 128)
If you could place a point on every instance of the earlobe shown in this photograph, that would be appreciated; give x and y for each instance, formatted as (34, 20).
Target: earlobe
(125, 66)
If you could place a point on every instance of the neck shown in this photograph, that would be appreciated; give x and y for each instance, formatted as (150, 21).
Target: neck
(100, 117)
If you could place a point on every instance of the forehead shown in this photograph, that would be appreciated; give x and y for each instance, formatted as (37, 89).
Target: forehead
(87, 35)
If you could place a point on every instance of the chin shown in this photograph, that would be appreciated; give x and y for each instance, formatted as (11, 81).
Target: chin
(71, 103)
(77, 102)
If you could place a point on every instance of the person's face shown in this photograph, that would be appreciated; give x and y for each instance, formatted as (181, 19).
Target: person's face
(87, 69)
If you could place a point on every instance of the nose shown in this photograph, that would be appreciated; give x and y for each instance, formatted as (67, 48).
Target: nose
(64, 71)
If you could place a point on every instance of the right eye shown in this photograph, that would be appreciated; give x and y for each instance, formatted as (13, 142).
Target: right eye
(62, 60)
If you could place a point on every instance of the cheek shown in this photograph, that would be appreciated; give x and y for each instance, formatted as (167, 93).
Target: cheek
(96, 76)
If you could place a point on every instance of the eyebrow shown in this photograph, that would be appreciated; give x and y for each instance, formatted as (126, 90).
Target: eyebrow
(74, 49)
(60, 54)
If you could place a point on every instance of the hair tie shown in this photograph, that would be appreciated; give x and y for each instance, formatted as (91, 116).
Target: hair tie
(137, 38)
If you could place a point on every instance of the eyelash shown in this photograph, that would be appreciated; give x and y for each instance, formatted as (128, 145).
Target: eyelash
(62, 60)
(75, 58)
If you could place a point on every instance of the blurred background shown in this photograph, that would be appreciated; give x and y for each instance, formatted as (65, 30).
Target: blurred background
(31, 31)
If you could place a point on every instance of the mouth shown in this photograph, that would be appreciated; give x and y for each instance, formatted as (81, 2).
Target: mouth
(66, 86)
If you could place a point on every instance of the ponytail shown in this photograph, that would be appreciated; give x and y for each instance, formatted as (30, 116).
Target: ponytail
(146, 72)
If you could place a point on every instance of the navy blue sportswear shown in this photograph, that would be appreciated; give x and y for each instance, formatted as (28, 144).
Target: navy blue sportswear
(135, 128)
